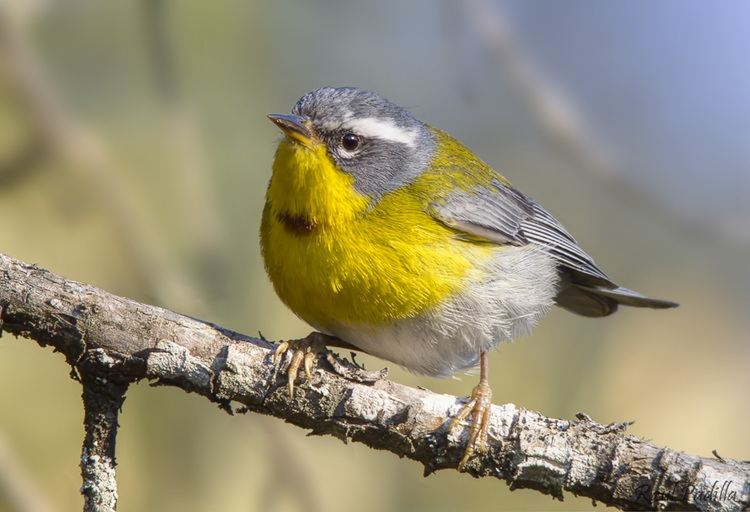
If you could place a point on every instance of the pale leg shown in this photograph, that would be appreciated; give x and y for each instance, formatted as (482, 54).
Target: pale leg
(478, 407)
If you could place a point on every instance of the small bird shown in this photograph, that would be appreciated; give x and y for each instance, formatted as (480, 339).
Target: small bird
(389, 236)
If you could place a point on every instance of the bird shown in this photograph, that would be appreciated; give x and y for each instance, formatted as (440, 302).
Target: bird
(391, 237)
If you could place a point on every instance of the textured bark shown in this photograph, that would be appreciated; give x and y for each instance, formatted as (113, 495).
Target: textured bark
(102, 400)
(117, 341)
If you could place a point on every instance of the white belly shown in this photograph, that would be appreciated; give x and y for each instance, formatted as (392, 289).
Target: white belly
(504, 299)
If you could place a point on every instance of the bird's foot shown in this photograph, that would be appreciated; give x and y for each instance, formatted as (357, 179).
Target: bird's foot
(478, 407)
(303, 353)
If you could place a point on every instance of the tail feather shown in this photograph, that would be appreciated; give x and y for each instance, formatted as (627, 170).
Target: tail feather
(598, 301)
(633, 298)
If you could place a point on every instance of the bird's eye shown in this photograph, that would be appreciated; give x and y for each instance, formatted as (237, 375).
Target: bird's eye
(350, 141)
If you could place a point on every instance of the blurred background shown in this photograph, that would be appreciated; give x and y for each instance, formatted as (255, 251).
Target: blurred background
(135, 152)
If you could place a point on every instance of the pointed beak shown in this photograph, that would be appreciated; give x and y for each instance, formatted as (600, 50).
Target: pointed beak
(297, 128)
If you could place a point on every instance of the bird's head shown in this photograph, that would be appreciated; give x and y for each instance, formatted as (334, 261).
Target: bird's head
(347, 135)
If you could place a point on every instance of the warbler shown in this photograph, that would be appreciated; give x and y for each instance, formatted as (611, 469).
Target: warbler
(390, 236)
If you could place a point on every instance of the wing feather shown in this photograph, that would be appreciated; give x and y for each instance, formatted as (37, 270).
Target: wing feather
(502, 214)
(497, 213)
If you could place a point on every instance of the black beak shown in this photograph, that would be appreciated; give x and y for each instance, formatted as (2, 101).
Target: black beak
(297, 128)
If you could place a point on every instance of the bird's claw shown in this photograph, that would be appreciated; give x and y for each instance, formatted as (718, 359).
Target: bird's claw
(478, 407)
(303, 353)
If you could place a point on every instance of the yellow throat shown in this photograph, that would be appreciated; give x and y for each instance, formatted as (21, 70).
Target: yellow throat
(336, 259)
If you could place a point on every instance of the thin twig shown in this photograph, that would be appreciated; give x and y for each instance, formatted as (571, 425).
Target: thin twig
(102, 400)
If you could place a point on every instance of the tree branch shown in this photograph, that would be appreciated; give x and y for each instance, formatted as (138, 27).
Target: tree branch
(122, 341)
(102, 400)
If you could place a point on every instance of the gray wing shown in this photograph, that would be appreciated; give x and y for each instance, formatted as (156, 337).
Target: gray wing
(493, 215)
(501, 214)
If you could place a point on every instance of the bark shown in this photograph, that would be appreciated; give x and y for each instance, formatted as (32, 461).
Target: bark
(112, 341)
(102, 400)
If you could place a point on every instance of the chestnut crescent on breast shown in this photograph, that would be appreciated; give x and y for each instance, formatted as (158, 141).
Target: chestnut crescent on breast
(297, 224)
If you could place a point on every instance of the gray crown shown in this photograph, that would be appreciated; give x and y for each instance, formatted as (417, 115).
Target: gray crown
(395, 147)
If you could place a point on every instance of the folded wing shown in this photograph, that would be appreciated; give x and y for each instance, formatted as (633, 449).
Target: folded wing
(500, 214)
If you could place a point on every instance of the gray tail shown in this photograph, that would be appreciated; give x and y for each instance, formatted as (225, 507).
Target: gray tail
(592, 300)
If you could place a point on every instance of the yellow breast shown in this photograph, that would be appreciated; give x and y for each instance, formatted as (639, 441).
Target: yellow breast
(336, 259)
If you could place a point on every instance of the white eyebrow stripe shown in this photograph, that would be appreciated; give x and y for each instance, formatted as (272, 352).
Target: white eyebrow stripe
(335, 125)
(381, 129)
